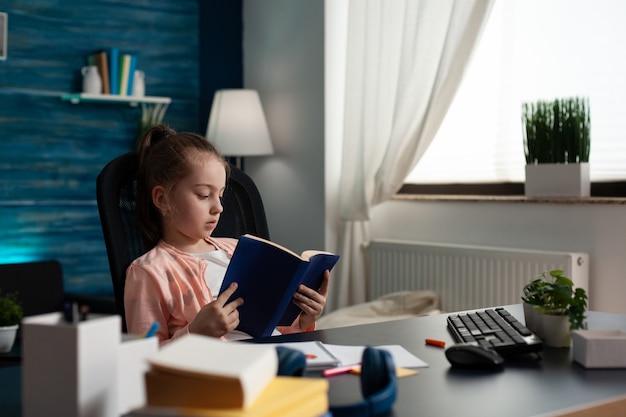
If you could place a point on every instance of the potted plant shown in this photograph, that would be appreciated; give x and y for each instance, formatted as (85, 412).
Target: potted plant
(557, 144)
(10, 315)
(558, 307)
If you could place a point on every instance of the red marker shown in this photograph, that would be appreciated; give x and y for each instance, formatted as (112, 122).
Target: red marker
(435, 342)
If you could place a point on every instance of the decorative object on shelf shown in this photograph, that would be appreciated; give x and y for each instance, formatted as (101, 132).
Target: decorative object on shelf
(92, 83)
(557, 144)
(153, 109)
(553, 307)
(10, 315)
(237, 125)
(139, 84)
(151, 116)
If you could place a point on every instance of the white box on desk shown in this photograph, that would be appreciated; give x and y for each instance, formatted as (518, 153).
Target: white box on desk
(599, 348)
(70, 370)
(132, 366)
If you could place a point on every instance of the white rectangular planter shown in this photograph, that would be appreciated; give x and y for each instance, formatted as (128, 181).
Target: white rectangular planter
(557, 180)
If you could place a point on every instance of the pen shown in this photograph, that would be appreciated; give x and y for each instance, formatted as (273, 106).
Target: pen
(339, 370)
(153, 329)
(435, 342)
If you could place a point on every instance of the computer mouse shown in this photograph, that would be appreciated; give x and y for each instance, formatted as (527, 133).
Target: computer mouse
(473, 356)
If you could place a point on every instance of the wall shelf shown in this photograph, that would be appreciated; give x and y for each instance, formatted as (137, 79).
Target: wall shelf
(112, 98)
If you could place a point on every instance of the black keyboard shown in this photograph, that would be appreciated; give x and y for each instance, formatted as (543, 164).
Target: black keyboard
(496, 329)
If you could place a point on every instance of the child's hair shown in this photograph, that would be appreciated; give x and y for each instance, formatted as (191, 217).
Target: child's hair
(164, 158)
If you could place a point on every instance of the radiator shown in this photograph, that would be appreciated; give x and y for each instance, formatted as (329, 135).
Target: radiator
(465, 277)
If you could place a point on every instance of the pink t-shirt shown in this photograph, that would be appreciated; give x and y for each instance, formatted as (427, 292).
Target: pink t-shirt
(168, 286)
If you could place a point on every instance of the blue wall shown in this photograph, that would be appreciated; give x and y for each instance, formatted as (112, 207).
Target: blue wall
(51, 151)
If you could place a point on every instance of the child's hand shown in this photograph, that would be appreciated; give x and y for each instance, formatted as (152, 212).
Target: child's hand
(217, 318)
(311, 302)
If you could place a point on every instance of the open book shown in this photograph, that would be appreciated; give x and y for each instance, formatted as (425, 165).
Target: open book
(268, 276)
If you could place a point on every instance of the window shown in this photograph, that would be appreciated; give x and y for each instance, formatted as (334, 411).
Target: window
(531, 50)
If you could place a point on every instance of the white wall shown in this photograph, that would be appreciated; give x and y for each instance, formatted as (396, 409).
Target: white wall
(284, 61)
(598, 229)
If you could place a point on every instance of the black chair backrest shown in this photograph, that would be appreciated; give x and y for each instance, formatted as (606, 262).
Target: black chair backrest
(38, 285)
(116, 189)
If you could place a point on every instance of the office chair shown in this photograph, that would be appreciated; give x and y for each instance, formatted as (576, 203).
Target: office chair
(116, 189)
(38, 285)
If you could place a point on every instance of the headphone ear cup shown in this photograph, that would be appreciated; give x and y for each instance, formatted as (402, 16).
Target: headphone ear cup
(291, 362)
(373, 371)
(378, 380)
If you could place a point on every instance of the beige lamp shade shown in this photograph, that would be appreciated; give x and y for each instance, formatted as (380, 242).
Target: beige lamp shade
(237, 125)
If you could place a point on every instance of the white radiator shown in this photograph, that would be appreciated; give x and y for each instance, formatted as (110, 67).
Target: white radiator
(465, 277)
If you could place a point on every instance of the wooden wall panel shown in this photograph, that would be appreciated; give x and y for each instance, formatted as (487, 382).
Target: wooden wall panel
(51, 151)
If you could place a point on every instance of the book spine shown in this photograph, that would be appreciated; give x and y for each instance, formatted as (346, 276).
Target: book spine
(102, 63)
(114, 56)
(123, 74)
(131, 74)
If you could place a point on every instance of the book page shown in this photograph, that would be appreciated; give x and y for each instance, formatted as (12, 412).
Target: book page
(269, 242)
(308, 254)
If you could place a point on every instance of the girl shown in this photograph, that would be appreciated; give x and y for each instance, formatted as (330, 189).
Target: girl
(180, 183)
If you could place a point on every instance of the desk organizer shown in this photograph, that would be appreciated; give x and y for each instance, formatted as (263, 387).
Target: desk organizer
(599, 348)
(81, 369)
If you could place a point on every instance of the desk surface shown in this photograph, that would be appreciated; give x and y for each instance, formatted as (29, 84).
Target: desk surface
(525, 388)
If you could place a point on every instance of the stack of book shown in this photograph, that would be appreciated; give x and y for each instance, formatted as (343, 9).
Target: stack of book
(203, 376)
(116, 70)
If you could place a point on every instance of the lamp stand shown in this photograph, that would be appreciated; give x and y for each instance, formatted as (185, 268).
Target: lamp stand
(236, 161)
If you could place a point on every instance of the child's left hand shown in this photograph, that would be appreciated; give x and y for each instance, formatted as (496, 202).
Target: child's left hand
(311, 302)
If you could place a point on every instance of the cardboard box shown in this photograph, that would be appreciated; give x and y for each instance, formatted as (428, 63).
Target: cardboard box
(599, 348)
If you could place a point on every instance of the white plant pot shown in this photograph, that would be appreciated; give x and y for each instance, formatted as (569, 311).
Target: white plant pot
(7, 337)
(556, 331)
(557, 180)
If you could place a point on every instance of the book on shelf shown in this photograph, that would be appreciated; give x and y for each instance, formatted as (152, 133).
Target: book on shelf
(101, 61)
(114, 63)
(268, 276)
(283, 397)
(124, 74)
(183, 372)
(131, 74)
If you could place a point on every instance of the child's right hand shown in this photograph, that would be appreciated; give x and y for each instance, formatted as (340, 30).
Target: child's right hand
(218, 318)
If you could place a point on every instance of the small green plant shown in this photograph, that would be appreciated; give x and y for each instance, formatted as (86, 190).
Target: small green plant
(554, 293)
(557, 131)
(10, 310)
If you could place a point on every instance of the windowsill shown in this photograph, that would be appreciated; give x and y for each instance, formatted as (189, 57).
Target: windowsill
(509, 199)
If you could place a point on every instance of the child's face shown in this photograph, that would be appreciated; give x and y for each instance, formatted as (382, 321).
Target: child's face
(195, 204)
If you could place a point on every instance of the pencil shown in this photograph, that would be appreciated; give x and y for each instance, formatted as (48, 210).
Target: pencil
(153, 329)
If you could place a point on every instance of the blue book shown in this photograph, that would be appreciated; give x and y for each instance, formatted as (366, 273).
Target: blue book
(268, 276)
(114, 57)
(131, 74)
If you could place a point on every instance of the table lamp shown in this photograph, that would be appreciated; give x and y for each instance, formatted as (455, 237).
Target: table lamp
(237, 125)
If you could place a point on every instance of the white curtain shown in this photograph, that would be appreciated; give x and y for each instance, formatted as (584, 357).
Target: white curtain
(404, 62)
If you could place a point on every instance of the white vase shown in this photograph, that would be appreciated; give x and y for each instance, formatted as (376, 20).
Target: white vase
(556, 331)
(557, 180)
(7, 337)
(139, 84)
(92, 83)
